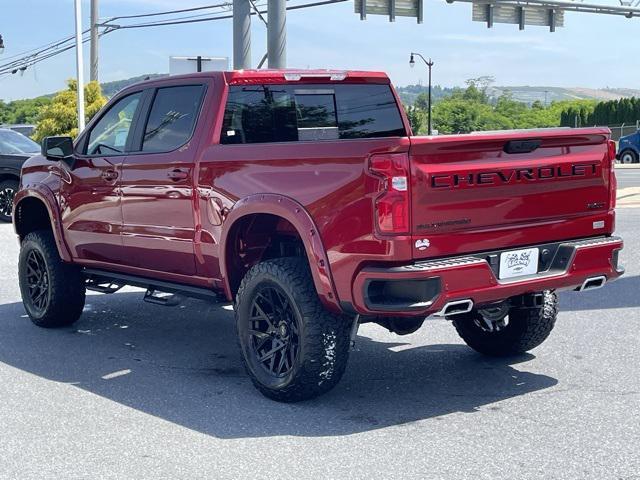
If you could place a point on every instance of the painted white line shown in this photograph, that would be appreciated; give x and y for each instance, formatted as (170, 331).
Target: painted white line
(117, 374)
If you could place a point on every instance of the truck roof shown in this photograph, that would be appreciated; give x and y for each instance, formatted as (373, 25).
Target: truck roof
(248, 77)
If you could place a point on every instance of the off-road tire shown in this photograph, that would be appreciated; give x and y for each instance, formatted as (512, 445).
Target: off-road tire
(7, 186)
(527, 328)
(322, 337)
(65, 292)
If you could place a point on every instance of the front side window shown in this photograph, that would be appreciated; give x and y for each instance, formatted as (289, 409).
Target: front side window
(172, 118)
(109, 136)
(286, 113)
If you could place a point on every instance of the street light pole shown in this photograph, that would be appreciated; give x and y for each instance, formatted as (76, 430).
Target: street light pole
(429, 64)
(79, 66)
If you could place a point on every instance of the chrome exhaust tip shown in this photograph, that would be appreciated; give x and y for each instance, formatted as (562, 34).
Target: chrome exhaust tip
(592, 283)
(456, 308)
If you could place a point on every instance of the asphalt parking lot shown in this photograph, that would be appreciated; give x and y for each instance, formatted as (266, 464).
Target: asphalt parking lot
(143, 391)
(628, 177)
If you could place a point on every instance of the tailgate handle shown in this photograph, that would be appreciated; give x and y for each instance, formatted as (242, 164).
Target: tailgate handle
(521, 146)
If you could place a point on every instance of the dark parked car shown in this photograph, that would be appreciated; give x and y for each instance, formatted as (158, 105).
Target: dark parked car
(25, 129)
(15, 148)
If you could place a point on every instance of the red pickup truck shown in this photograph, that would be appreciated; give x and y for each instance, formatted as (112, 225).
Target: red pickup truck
(304, 198)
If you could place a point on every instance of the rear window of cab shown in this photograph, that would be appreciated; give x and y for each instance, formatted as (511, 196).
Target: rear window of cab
(290, 113)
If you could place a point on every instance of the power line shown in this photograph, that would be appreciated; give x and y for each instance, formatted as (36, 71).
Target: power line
(168, 12)
(219, 17)
(56, 48)
(28, 54)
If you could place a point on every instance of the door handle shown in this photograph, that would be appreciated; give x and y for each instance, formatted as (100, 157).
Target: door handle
(109, 175)
(178, 174)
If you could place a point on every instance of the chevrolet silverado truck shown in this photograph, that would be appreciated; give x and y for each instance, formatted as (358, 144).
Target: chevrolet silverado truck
(304, 198)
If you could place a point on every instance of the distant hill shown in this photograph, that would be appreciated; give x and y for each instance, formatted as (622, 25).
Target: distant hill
(109, 89)
(409, 93)
(529, 94)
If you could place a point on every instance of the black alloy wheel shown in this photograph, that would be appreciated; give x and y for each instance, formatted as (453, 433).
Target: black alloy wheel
(53, 291)
(274, 333)
(8, 190)
(37, 278)
(292, 347)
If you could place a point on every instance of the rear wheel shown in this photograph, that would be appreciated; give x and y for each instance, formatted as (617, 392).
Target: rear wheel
(504, 330)
(8, 190)
(53, 292)
(293, 349)
(628, 156)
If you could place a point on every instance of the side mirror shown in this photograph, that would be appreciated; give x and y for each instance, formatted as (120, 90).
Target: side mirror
(57, 148)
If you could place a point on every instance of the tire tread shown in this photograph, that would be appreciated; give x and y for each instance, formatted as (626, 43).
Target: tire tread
(320, 371)
(67, 297)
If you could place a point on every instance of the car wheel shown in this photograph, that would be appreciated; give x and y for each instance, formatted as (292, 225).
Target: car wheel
(53, 292)
(628, 156)
(8, 189)
(293, 349)
(510, 332)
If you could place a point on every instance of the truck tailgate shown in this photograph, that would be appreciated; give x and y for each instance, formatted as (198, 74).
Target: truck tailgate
(493, 190)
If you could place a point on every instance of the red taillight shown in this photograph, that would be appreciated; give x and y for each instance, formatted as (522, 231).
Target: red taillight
(613, 182)
(392, 205)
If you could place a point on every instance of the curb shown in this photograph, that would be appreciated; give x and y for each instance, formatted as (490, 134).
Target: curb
(622, 166)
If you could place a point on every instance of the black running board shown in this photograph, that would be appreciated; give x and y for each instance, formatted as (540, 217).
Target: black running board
(97, 278)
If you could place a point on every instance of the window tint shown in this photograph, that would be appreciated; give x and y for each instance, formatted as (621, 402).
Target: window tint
(367, 111)
(316, 110)
(259, 114)
(109, 135)
(172, 118)
(285, 113)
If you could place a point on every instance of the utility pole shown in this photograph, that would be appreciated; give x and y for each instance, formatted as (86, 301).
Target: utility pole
(241, 34)
(277, 33)
(93, 75)
(430, 64)
(79, 65)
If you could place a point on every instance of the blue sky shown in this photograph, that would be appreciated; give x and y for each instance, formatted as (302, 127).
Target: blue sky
(590, 51)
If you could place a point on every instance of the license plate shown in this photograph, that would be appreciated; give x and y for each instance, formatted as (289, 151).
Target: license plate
(518, 263)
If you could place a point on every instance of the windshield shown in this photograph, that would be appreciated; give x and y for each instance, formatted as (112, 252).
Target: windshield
(15, 143)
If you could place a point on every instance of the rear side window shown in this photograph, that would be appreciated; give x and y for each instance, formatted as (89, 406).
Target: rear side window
(286, 113)
(172, 118)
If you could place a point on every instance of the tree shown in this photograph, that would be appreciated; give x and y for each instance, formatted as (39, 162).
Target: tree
(416, 119)
(22, 111)
(60, 117)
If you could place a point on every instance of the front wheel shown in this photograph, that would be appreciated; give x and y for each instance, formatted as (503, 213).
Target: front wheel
(504, 331)
(8, 189)
(628, 156)
(293, 349)
(53, 292)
